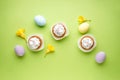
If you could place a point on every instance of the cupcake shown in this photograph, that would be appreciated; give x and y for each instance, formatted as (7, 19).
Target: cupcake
(87, 43)
(59, 31)
(35, 42)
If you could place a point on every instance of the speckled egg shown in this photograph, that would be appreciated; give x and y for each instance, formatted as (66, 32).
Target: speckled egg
(19, 50)
(84, 27)
(100, 57)
(40, 20)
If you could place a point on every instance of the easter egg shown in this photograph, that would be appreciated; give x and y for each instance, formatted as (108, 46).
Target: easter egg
(40, 20)
(84, 27)
(19, 50)
(100, 57)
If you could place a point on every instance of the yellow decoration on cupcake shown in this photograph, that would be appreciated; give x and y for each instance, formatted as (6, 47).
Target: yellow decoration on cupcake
(21, 33)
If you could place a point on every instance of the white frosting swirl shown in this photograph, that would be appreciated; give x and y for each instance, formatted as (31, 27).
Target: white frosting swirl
(59, 29)
(87, 43)
(34, 43)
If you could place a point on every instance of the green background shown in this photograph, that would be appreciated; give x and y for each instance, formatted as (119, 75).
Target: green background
(67, 62)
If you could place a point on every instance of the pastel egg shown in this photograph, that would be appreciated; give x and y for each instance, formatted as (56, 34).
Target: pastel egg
(40, 20)
(19, 50)
(84, 27)
(100, 57)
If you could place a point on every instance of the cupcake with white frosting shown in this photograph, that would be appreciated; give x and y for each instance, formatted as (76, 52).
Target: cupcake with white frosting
(87, 43)
(59, 31)
(35, 42)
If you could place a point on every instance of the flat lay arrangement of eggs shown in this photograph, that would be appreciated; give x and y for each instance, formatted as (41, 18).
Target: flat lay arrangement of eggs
(35, 42)
(59, 40)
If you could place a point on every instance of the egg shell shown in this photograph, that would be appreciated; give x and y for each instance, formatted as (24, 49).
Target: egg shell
(19, 50)
(84, 27)
(40, 20)
(100, 57)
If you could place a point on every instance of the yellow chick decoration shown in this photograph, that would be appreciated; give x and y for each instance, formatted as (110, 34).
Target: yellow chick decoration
(50, 49)
(21, 33)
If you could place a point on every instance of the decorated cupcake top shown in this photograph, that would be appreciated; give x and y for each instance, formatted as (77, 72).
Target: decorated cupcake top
(35, 42)
(87, 42)
(59, 30)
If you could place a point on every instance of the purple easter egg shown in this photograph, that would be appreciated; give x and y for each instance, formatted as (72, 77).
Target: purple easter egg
(100, 57)
(19, 50)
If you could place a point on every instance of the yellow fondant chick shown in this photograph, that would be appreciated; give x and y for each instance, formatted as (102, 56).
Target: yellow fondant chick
(50, 49)
(21, 33)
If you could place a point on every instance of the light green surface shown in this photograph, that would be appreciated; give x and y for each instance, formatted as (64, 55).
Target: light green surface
(67, 62)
